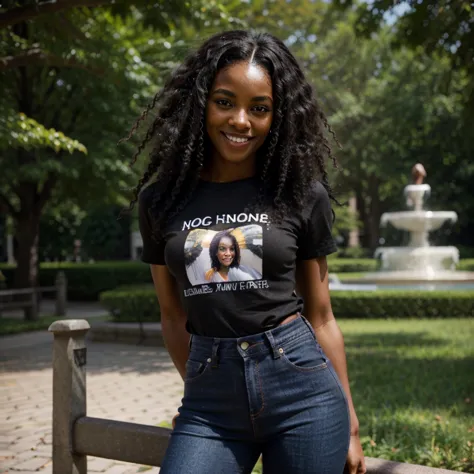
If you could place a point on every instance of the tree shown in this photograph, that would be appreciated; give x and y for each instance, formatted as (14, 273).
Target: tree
(390, 109)
(80, 73)
(441, 27)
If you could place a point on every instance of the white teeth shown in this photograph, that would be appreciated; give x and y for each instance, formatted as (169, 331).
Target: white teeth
(237, 140)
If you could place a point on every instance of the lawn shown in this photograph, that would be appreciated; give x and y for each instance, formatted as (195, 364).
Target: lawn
(413, 388)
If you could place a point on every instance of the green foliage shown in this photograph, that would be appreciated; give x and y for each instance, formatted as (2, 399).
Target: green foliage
(466, 265)
(403, 304)
(9, 326)
(139, 304)
(437, 25)
(130, 303)
(342, 265)
(352, 252)
(19, 131)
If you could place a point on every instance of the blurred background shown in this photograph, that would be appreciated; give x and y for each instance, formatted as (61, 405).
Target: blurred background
(395, 79)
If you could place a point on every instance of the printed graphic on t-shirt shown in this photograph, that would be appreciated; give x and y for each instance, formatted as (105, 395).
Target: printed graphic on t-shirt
(221, 256)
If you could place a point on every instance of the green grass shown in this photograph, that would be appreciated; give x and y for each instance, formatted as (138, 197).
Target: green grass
(413, 389)
(9, 326)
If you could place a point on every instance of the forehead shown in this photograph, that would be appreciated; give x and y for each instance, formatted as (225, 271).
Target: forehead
(244, 78)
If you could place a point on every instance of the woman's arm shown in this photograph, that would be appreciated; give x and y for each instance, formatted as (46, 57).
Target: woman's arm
(173, 317)
(312, 284)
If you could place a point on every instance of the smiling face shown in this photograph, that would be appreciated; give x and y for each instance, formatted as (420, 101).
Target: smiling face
(239, 113)
(226, 252)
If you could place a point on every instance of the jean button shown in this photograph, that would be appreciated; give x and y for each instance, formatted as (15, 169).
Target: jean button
(244, 345)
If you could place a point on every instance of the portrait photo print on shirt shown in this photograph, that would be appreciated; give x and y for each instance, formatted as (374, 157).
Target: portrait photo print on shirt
(233, 254)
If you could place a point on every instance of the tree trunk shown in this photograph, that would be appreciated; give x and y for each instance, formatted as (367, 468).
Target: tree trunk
(374, 213)
(27, 237)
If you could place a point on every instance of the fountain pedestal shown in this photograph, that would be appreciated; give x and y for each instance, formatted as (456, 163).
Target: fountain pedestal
(418, 261)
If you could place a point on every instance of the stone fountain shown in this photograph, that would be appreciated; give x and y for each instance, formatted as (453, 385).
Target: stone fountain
(419, 261)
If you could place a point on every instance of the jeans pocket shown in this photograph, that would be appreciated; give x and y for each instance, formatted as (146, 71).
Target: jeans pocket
(194, 370)
(304, 356)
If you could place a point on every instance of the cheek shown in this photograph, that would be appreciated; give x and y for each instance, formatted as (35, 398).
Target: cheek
(214, 117)
(263, 127)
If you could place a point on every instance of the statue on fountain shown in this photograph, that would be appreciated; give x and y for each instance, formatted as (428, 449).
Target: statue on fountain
(418, 173)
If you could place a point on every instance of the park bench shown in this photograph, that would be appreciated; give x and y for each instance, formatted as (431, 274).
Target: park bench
(76, 435)
(29, 299)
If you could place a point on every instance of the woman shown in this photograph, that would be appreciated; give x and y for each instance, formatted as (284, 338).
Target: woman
(225, 259)
(239, 137)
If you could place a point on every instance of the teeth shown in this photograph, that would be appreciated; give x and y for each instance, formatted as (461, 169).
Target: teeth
(237, 140)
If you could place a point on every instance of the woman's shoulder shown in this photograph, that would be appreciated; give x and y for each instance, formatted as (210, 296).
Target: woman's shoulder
(316, 197)
(147, 194)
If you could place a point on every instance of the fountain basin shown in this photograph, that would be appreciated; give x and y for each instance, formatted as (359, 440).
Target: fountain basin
(418, 221)
(426, 261)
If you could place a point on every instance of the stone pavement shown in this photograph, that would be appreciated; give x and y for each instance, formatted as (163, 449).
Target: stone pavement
(124, 382)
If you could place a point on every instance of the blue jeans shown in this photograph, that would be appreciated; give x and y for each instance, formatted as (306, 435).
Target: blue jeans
(273, 394)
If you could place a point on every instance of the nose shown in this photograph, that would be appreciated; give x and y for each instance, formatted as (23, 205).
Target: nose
(240, 120)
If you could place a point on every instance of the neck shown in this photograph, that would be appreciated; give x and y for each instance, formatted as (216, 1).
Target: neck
(222, 171)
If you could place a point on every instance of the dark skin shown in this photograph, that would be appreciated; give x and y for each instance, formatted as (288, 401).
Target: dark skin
(238, 120)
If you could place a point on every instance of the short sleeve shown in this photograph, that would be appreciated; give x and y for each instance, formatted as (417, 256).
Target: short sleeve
(316, 238)
(153, 252)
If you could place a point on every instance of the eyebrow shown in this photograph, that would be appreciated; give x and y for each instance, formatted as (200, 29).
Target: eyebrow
(260, 98)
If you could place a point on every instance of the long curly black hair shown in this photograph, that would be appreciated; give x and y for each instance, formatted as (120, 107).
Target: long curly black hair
(293, 155)
(214, 246)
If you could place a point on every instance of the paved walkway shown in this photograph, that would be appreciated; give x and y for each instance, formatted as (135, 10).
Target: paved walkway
(124, 382)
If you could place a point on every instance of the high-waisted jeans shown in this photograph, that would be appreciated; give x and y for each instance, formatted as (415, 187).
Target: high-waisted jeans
(273, 394)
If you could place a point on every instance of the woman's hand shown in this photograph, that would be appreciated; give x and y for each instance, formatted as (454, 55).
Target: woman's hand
(355, 462)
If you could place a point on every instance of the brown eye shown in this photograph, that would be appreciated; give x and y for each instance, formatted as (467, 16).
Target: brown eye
(261, 109)
(223, 103)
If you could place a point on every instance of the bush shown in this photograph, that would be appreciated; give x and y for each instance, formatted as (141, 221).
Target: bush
(132, 304)
(353, 252)
(402, 304)
(466, 265)
(127, 304)
(343, 265)
(87, 280)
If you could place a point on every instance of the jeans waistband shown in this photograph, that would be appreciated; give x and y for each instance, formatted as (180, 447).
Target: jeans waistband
(270, 340)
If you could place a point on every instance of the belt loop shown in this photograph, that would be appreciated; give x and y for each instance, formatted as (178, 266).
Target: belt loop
(190, 341)
(215, 357)
(271, 340)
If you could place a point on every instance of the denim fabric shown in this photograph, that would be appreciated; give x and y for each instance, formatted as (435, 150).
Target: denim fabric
(273, 394)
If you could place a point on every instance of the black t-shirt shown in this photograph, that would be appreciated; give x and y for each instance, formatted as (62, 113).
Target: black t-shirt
(236, 269)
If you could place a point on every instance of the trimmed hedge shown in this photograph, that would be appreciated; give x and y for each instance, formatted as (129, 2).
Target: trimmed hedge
(127, 304)
(403, 304)
(359, 265)
(87, 280)
(132, 304)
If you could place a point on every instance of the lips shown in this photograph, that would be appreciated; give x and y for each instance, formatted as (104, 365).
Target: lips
(237, 140)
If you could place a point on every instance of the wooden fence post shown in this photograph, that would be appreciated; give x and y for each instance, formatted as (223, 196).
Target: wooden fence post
(61, 294)
(69, 392)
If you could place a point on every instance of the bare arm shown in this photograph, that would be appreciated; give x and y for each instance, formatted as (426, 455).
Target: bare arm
(173, 317)
(313, 286)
